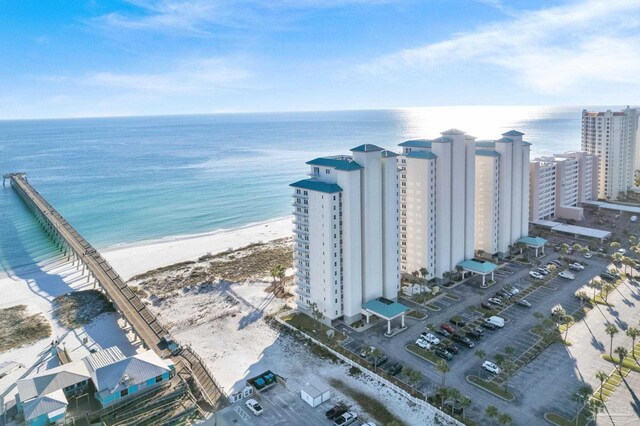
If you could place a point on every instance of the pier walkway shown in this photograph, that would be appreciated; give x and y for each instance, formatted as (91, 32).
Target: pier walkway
(143, 322)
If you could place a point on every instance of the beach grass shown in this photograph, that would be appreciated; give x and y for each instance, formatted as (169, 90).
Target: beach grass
(370, 405)
(80, 307)
(19, 328)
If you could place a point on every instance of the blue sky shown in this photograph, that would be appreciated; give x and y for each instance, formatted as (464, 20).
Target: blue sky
(141, 57)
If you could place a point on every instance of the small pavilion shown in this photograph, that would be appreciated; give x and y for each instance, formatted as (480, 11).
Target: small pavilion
(534, 242)
(480, 267)
(385, 309)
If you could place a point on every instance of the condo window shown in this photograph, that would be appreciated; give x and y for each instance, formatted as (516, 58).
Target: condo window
(125, 392)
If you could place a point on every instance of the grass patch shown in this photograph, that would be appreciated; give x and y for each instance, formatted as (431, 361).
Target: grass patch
(422, 353)
(80, 307)
(485, 312)
(19, 328)
(311, 327)
(491, 387)
(563, 421)
(423, 297)
(372, 406)
(630, 364)
(417, 315)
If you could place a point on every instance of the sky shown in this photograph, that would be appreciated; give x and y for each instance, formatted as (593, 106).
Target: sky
(86, 58)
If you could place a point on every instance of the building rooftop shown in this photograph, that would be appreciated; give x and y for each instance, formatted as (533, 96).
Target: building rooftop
(389, 154)
(485, 144)
(487, 153)
(612, 206)
(481, 267)
(316, 185)
(443, 139)
(44, 405)
(505, 140)
(426, 155)
(337, 163)
(416, 143)
(453, 132)
(367, 148)
(385, 308)
(533, 241)
(513, 133)
(103, 358)
(52, 380)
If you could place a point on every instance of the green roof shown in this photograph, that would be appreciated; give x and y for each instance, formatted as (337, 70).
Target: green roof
(416, 143)
(533, 241)
(367, 148)
(316, 185)
(513, 133)
(507, 140)
(478, 266)
(427, 155)
(385, 308)
(336, 163)
(487, 153)
(387, 154)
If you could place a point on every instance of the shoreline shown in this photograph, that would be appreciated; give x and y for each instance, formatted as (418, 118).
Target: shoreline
(129, 260)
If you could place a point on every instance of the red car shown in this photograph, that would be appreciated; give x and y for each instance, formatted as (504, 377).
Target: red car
(447, 328)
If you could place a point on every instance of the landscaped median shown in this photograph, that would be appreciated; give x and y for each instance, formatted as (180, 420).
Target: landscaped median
(491, 388)
(557, 419)
(628, 363)
(422, 353)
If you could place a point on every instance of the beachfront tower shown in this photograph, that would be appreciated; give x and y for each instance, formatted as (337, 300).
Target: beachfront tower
(346, 232)
(613, 138)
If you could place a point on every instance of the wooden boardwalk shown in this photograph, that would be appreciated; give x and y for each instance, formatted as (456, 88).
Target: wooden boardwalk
(142, 321)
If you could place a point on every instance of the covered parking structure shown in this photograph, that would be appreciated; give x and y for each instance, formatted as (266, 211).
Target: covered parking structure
(480, 267)
(385, 309)
(574, 231)
(535, 243)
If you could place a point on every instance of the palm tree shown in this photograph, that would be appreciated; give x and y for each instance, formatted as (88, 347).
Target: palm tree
(317, 314)
(580, 397)
(617, 257)
(634, 333)
(464, 403)
(615, 245)
(424, 272)
(596, 285)
(414, 376)
(538, 315)
(505, 419)
(566, 321)
(480, 354)
(601, 376)
(491, 412)
(564, 248)
(582, 296)
(606, 290)
(577, 248)
(443, 368)
(611, 330)
(509, 350)
(375, 354)
(508, 367)
(622, 354)
(595, 406)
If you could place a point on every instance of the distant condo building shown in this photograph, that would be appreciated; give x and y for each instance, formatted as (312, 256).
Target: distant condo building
(346, 247)
(613, 138)
(501, 193)
(437, 187)
(560, 182)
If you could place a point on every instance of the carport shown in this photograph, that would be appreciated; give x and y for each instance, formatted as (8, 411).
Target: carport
(385, 309)
(475, 266)
(534, 242)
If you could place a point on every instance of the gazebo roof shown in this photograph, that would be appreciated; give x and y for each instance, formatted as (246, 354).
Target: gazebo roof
(481, 267)
(533, 241)
(385, 308)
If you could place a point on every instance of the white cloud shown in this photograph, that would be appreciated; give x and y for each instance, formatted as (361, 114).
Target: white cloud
(550, 50)
(199, 75)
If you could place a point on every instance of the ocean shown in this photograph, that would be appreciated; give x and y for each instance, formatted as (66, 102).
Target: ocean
(127, 180)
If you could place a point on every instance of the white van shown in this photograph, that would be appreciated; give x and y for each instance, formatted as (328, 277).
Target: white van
(497, 321)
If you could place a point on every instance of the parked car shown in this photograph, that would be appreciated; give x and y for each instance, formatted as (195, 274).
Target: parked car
(542, 271)
(536, 275)
(454, 406)
(475, 334)
(488, 325)
(423, 344)
(588, 255)
(495, 301)
(447, 327)
(495, 320)
(442, 332)
(524, 303)
(442, 353)
(556, 247)
(458, 321)
(366, 351)
(486, 305)
(253, 405)
(450, 347)
(431, 339)
(378, 361)
(556, 262)
(607, 277)
(369, 424)
(491, 367)
(502, 293)
(567, 275)
(513, 291)
(577, 266)
(336, 411)
(346, 419)
(395, 368)
(463, 340)
(622, 251)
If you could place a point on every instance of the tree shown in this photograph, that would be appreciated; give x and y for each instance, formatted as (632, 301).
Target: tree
(634, 333)
(566, 321)
(415, 273)
(601, 376)
(480, 354)
(580, 398)
(317, 314)
(582, 296)
(596, 406)
(509, 350)
(596, 285)
(508, 367)
(611, 330)
(465, 402)
(577, 247)
(443, 368)
(505, 419)
(615, 245)
(564, 248)
(375, 354)
(622, 354)
(606, 290)
(617, 258)
(424, 272)
(491, 412)
(414, 376)
(538, 315)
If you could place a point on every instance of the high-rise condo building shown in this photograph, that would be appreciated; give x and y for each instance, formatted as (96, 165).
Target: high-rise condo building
(346, 247)
(613, 138)
(501, 193)
(437, 187)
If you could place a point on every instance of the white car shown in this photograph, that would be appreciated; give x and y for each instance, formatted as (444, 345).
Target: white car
(622, 251)
(255, 408)
(423, 344)
(577, 266)
(491, 367)
(369, 424)
(430, 338)
(346, 419)
(588, 255)
(536, 275)
(513, 291)
(567, 275)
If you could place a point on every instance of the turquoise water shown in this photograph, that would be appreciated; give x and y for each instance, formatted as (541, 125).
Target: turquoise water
(124, 180)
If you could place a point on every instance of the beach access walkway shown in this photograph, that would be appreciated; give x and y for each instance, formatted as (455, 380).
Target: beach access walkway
(143, 322)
